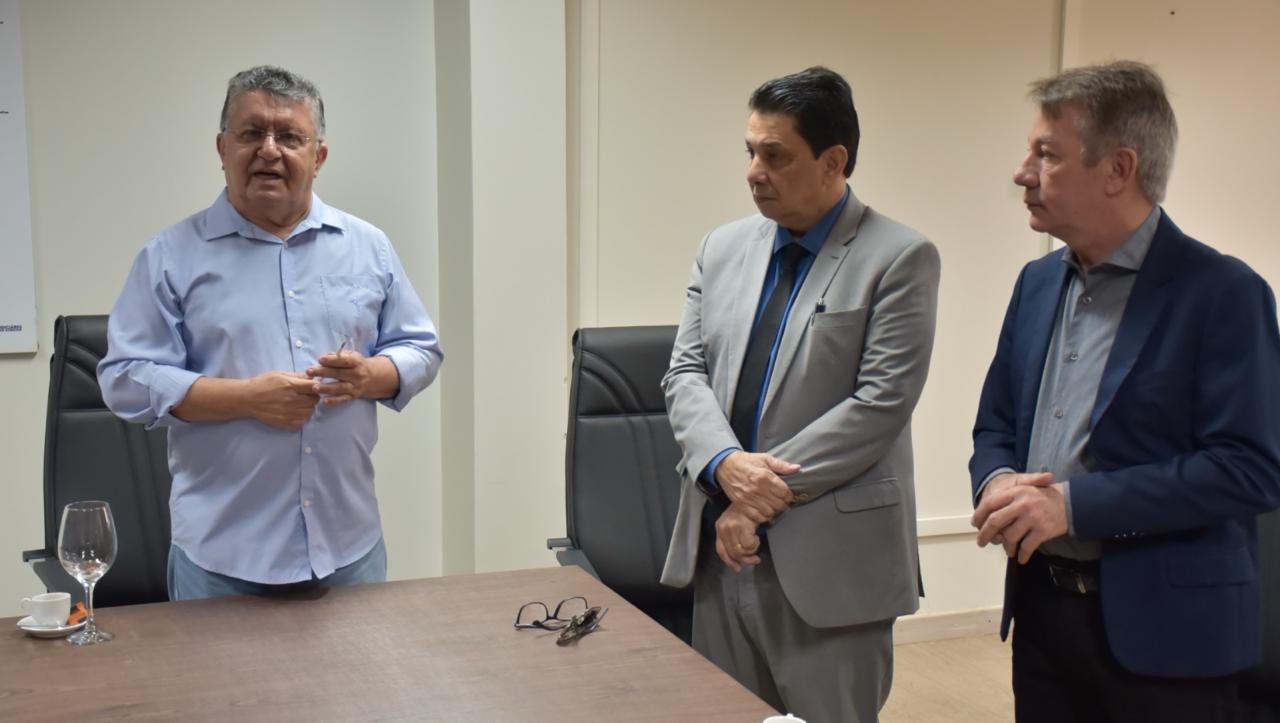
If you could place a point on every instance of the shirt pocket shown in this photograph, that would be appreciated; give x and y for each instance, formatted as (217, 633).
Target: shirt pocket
(353, 303)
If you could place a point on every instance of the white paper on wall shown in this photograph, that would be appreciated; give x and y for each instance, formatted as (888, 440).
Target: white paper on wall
(17, 268)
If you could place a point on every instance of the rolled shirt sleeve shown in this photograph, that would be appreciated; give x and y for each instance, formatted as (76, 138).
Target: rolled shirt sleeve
(144, 375)
(406, 334)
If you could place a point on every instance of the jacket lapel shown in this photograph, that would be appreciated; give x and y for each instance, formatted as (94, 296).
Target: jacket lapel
(1040, 316)
(829, 260)
(754, 267)
(1150, 292)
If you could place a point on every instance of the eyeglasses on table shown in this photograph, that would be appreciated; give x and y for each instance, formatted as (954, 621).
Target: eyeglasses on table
(572, 617)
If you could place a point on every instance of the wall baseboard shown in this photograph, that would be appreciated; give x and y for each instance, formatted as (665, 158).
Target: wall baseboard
(920, 628)
(944, 526)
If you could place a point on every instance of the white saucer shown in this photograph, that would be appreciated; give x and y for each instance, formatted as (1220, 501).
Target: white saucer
(34, 629)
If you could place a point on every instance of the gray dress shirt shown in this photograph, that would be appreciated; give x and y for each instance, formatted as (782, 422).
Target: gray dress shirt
(1089, 313)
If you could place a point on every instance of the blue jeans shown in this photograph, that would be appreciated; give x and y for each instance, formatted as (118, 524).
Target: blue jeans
(189, 581)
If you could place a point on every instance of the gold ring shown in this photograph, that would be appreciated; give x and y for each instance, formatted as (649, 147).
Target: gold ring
(739, 545)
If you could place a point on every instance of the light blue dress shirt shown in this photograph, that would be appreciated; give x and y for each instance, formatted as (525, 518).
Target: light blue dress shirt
(215, 295)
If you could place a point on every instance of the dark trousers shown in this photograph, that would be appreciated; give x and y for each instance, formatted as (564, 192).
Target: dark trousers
(1063, 669)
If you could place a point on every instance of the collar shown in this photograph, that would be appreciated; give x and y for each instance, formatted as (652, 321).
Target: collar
(1130, 254)
(222, 220)
(815, 237)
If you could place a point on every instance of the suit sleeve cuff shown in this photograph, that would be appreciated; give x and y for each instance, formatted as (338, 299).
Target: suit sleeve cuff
(707, 480)
(977, 497)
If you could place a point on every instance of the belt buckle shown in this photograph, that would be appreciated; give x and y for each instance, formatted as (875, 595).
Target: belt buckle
(1073, 580)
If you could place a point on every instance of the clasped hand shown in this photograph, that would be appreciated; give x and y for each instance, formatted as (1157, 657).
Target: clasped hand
(1021, 512)
(341, 376)
(751, 481)
(281, 399)
(288, 399)
(757, 494)
(737, 543)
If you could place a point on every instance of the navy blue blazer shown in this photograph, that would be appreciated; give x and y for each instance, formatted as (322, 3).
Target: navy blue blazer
(1185, 448)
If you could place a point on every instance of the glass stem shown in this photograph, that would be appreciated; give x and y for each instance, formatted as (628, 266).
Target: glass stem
(89, 627)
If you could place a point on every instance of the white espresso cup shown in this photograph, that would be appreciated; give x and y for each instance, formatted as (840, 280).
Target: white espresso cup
(50, 609)
(788, 718)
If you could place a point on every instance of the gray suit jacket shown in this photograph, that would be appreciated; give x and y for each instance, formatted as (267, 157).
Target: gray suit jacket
(839, 404)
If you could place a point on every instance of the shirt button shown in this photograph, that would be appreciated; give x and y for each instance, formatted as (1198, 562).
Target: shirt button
(1057, 413)
(291, 294)
(286, 244)
(1073, 356)
(1044, 469)
(298, 343)
(307, 450)
(1086, 300)
(306, 503)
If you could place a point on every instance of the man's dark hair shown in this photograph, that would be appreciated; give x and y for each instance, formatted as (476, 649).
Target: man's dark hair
(821, 103)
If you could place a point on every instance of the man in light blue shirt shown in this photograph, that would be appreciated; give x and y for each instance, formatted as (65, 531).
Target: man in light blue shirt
(261, 331)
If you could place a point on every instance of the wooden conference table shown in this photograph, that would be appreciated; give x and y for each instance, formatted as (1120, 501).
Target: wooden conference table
(438, 649)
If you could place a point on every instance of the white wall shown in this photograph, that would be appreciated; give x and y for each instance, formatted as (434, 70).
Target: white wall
(1220, 64)
(123, 101)
(457, 286)
(519, 275)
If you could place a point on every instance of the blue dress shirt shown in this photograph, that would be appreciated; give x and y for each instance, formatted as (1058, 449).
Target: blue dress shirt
(215, 295)
(812, 243)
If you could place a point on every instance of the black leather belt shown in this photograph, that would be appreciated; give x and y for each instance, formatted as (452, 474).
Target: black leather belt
(1078, 577)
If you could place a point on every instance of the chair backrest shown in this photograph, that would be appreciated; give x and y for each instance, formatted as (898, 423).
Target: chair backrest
(621, 488)
(90, 454)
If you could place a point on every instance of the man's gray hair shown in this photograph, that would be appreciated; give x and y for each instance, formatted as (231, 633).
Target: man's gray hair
(1122, 105)
(276, 81)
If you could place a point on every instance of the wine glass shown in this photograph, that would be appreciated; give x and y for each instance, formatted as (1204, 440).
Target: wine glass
(87, 547)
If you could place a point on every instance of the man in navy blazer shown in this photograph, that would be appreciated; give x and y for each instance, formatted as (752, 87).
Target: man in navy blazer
(1128, 432)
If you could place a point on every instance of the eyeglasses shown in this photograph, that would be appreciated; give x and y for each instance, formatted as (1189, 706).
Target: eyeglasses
(536, 614)
(580, 625)
(255, 137)
(572, 618)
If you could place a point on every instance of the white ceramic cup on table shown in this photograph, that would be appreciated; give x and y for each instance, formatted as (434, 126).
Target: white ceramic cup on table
(50, 609)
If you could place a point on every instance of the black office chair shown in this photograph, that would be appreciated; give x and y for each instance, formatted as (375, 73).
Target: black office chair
(1260, 686)
(90, 454)
(621, 488)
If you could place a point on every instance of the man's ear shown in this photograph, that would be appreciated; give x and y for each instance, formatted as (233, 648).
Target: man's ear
(221, 144)
(1122, 170)
(322, 154)
(833, 159)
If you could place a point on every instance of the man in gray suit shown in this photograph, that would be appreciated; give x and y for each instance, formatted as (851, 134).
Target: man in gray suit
(802, 351)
